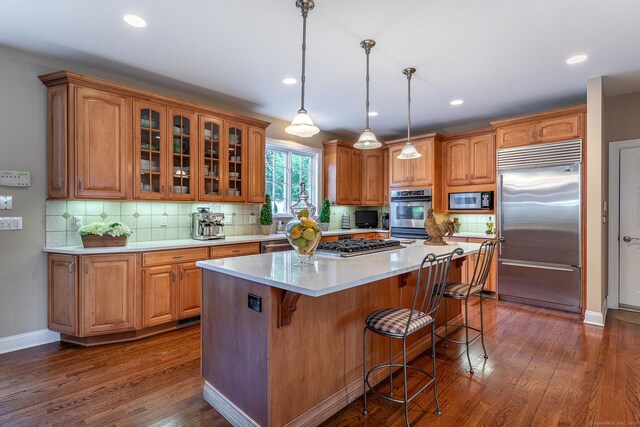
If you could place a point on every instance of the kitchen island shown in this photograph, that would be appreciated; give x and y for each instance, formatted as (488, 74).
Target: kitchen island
(282, 343)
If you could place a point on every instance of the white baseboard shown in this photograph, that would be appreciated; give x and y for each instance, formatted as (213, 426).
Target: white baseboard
(29, 339)
(228, 410)
(595, 318)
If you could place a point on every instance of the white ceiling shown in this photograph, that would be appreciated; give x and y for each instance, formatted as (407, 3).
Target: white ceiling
(503, 57)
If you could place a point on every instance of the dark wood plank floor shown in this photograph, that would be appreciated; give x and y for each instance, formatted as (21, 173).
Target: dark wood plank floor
(545, 368)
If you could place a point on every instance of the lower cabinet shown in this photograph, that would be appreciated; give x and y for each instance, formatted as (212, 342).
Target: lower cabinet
(468, 267)
(96, 299)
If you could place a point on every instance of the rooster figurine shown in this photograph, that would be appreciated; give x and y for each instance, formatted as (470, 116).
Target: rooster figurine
(435, 231)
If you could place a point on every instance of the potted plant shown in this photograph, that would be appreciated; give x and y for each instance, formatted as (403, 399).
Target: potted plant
(325, 215)
(266, 217)
(99, 234)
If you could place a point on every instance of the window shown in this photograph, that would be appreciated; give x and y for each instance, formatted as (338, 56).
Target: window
(287, 165)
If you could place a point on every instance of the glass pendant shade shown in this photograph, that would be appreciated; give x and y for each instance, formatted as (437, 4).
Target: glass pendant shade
(409, 152)
(367, 141)
(302, 126)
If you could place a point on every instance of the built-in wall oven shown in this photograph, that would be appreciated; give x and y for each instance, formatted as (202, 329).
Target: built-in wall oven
(408, 211)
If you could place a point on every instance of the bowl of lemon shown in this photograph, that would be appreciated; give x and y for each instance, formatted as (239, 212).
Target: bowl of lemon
(303, 232)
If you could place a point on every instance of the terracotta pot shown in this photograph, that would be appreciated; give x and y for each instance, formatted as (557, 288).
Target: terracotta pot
(95, 241)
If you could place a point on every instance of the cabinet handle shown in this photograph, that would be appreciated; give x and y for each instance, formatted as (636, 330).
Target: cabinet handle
(540, 133)
(60, 182)
(173, 276)
(162, 188)
(235, 251)
(177, 256)
(531, 135)
(181, 274)
(70, 268)
(80, 185)
(86, 268)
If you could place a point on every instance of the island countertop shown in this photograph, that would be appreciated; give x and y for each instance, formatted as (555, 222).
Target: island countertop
(329, 274)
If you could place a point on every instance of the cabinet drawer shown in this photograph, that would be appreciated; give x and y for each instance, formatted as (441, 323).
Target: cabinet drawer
(173, 256)
(226, 251)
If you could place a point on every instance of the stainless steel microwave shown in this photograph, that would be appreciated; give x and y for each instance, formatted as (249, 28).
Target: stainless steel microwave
(482, 200)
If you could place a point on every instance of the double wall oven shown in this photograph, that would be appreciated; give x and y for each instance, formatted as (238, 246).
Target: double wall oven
(408, 211)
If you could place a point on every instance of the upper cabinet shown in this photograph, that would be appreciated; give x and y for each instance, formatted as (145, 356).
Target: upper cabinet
(373, 180)
(551, 126)
(109, 141)
(424, 171)
(469, 160)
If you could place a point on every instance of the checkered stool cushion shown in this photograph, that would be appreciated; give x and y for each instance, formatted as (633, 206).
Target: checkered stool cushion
(460, 289)
(394, 320)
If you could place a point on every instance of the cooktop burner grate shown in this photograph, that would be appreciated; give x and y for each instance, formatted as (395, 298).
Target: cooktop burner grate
(355, 247)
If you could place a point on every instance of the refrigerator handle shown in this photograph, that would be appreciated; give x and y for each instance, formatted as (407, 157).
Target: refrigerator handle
(500, 211)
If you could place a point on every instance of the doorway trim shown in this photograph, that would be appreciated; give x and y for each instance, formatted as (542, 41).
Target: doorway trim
(613, 299)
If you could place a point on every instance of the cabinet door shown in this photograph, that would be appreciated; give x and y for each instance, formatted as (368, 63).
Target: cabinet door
(255, 171)
(107, 292)
(237, 139)
(343, 176)
(516, 135)
(399, 169)
(456, 155)
(159, 295)
(212, 169)
(372, 178)
(482, 154)
(150, 152)
(188, 290)
(57, 143)
(385, 177)
(422, 173)
(182, 168)
(356, 177)
(560, 129)
(101, 134)
(63, 295)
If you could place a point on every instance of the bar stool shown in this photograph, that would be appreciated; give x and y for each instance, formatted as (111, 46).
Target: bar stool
(399, 323)
(463, 291)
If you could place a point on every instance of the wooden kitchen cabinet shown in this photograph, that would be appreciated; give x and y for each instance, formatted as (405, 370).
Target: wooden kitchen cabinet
(373, 178)
(342, 165)
(112, 142)
(385, 175)
(107, 293)
(470, 160)
(159, 290)
(63, 293)
(188, 290)
(424, 171)
(468, 266)
(550, 126)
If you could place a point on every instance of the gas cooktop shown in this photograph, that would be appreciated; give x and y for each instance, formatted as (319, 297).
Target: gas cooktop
(355, 247)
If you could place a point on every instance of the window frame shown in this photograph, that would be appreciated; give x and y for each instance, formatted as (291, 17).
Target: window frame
(290, 148)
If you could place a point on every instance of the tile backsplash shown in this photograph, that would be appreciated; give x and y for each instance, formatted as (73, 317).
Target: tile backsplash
(474, 223)
(144, 219)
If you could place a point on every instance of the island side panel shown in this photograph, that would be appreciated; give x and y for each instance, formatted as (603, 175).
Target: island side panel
(235, 342)
(318, 358)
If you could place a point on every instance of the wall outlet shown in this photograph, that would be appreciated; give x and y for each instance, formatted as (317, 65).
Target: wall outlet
(77, 222)
(252, 219)
(163, 221)
(228, 220)
(6, 202)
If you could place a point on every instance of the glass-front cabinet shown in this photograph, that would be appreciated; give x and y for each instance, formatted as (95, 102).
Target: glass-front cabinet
(211, 132)
(183, 156)
(236, 139)
(165, 152)
(150, 150)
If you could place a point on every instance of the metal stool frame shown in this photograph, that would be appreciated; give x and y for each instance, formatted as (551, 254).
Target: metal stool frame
(432, 279)
(480, 274)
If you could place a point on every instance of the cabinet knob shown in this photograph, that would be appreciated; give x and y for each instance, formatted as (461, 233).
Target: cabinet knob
(173, 276)
(181, 274)
(60, 182)
(531, 135)
(540, 133)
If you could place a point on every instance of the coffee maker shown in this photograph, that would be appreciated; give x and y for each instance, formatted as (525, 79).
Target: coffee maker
(206, 225)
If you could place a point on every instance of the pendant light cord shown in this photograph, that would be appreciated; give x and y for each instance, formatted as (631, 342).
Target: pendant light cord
(305, 12)
(367, 51)
(409, 108)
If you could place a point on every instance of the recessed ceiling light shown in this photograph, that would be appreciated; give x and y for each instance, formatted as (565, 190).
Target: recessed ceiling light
(289, 81)
(373, 113)
(457, 102)
(576, 59)
(134, 21)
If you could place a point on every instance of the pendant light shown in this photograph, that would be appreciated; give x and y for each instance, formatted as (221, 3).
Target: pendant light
(409, 151)
(367, 140)
(302, 125)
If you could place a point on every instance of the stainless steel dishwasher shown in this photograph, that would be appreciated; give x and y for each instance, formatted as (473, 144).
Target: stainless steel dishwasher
(280, 245)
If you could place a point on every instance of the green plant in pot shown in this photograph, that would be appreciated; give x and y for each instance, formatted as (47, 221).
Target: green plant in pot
(99, 234)
(325, 215)
(266, 217)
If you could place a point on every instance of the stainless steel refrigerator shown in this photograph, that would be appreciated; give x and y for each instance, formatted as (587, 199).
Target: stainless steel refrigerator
(539, 215)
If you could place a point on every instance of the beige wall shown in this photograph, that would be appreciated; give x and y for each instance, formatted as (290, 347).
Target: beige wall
(596, 239)
(622, 117)
(23, 295)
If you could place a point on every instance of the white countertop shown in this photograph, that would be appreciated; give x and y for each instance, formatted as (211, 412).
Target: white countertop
(186, 243)
(329, 274)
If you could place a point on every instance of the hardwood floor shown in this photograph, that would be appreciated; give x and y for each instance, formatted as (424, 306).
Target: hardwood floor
(545, 368)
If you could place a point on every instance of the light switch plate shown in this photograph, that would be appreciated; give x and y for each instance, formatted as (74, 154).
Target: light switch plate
(11, 223)
(15, 179)
(6, 202)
